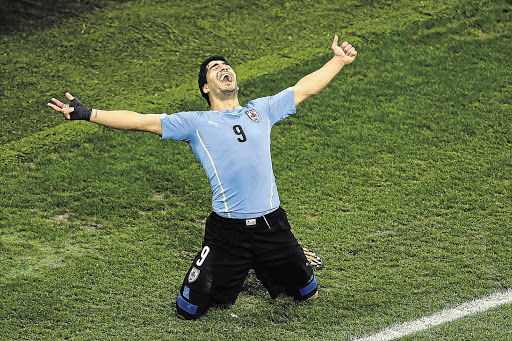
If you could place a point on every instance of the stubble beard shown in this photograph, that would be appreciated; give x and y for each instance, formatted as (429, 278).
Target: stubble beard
(226, 94)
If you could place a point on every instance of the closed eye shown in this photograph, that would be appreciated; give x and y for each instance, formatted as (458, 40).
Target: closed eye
(216, 66)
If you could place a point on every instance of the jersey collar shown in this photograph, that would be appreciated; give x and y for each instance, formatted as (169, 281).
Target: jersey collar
(226, 111)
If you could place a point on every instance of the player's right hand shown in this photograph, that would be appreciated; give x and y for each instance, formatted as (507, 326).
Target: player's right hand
(73, 111)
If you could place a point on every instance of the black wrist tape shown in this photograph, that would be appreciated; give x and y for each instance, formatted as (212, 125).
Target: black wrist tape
(81, 112)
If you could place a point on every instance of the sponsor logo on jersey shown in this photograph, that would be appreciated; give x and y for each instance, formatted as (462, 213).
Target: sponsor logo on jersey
(193, 275)
(253, 115)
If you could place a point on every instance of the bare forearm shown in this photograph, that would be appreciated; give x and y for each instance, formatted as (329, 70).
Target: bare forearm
(118, 119)
(316, 81)
(127, 120)
(313, 83)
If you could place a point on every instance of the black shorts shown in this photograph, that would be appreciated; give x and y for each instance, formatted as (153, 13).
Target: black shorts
(231, 247)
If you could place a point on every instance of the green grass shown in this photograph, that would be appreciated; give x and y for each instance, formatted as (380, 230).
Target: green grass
(397, 174)
(138, 53)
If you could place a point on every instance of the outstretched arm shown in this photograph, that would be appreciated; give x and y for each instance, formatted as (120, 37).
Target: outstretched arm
(118, 119)
(311, 84)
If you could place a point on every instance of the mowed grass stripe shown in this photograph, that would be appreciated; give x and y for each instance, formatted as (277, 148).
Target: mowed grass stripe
(152, 64)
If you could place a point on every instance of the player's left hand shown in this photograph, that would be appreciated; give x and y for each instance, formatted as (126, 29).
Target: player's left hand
(346, 51)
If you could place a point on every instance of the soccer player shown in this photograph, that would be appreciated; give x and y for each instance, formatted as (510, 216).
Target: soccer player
(247, 228)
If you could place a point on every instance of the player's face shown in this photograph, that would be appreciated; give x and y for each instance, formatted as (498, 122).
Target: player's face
(220, 76)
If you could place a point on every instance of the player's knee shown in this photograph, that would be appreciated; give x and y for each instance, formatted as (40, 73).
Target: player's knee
(191, 305)
(310, 291)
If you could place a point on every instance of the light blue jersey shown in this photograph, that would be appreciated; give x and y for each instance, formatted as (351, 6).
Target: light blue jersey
(234, 149)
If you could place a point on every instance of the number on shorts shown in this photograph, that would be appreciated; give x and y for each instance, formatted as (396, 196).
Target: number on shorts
(204, 254)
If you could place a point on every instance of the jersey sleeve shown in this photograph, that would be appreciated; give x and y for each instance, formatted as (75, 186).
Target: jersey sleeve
(177, 126)
(281, 105)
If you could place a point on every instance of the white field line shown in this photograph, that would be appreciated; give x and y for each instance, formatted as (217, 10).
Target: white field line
(447, 315)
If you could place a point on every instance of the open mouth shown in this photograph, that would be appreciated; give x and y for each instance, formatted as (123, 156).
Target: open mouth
(226, 78)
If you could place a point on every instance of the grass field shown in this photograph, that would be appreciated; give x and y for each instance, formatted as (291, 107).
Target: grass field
(397, 174)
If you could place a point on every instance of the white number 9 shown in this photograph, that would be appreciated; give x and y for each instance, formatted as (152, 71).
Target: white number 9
(204, 254)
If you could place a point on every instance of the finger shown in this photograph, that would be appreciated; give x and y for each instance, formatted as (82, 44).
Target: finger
(67, 109)
(344, 44)
(67, 112)
(64, 111)
(335, 41)
(54, 107)
(69, 96)
(59, 103)
(347, 47)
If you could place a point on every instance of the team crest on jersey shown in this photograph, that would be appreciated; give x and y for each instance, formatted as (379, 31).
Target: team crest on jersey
(253, 115)
(193, 275)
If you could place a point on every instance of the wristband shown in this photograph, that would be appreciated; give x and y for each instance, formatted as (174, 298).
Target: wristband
(81, 112)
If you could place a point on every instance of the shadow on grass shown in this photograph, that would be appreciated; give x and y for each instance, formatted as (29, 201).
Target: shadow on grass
(30, 16)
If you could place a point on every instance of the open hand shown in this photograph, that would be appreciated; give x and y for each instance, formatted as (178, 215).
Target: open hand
(65, 109)
(346, 51)
(74, 111)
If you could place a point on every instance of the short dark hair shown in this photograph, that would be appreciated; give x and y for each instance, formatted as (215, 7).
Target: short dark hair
(201, 79)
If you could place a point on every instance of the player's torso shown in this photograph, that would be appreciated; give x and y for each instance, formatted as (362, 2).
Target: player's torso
(234, 149)
(243, 134)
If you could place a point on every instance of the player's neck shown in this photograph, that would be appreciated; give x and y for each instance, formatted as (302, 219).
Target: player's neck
(229, 104)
